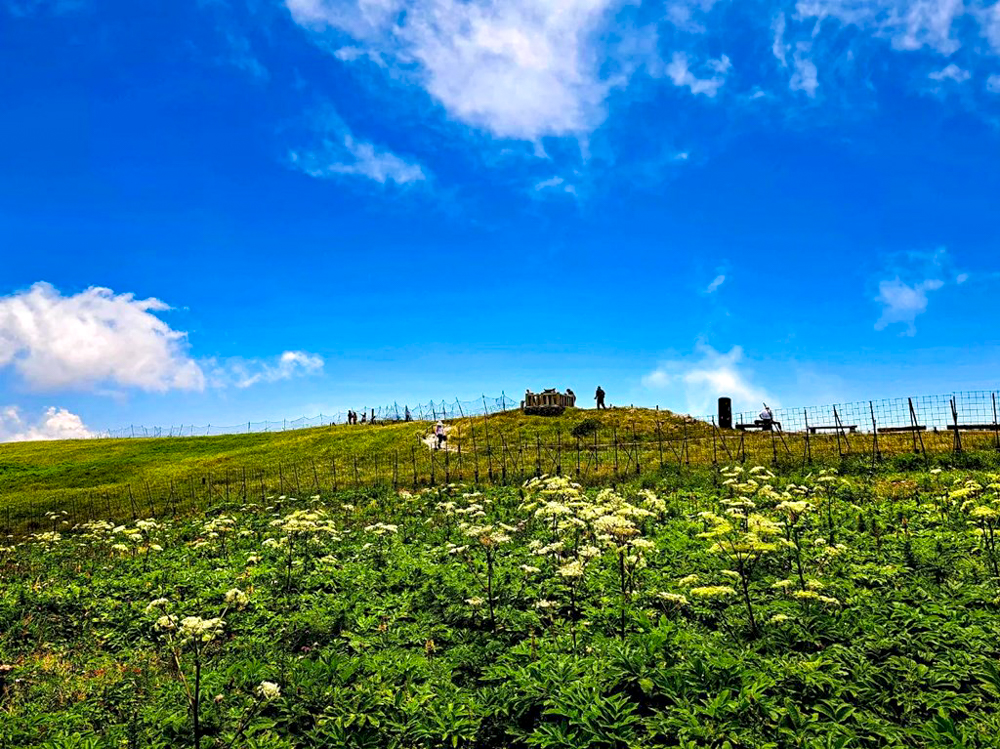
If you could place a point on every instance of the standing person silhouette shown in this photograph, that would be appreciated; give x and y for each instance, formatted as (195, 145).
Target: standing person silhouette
(599, 397)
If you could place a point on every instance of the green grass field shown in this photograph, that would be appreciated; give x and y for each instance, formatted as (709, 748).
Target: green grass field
(128, 478)
(731, 609)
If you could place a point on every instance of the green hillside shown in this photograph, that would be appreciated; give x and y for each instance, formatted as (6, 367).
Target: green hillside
(91, 478)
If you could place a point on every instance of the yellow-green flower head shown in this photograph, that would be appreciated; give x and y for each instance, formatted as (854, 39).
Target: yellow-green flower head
(571, 570)
(794, 509)
(196, 629)
(167, 622)
(675, 598)
(688, 581)
(713, 591)
(236, 597)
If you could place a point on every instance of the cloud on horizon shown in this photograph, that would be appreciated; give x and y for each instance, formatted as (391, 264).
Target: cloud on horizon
(98, 339)
(699, 381)
(54, 424)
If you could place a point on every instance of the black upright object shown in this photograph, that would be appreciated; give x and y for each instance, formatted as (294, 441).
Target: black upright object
(725, 413)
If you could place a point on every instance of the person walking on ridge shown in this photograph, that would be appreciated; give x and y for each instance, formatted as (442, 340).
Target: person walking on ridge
(599, 397)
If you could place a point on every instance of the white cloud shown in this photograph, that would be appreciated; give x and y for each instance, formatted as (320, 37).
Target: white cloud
(990, 20)
(101, 339)
(805, 75)
(240, 55)
(347, 156)
(778, 46)
(95, 337)
(950, 73)
(680, 73)
(993, 84)
(520, 69)
(244, 373)
(54, 424)
(908, 24)
(700, 381)
(902, 302)
(557, 184)
(904, 296)
(716, 283)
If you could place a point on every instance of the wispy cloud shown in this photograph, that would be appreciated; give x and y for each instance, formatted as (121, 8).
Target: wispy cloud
(902, 302)
(699, 380)
(903, 296)
(242, 373)
(679, 71)
(340, 154)
(351, 157)
(950, 73)
(240, 54)
(554, 184)
(715, 284)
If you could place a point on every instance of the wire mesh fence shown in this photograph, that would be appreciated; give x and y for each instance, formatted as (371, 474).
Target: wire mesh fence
(970, 410)
(625, 443)
(391, 413)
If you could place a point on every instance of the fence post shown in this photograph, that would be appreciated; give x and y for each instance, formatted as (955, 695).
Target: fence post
(876, 451)
(954, 417)
(916, 430)
(996, 427)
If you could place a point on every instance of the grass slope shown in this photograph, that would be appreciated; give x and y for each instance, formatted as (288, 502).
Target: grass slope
(74, 475)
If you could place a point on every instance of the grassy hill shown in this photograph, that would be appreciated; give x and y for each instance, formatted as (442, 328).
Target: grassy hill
(132, 478)
(95, 478)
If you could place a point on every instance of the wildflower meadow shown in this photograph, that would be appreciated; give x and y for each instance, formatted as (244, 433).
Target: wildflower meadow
(731, 608)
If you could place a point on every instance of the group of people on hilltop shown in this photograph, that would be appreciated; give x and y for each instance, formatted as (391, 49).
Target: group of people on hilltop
(352, 417)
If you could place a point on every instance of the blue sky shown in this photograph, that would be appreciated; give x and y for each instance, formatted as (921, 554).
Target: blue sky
(217, 211)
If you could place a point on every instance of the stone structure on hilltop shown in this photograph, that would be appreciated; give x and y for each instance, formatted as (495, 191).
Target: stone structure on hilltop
(548, 402)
